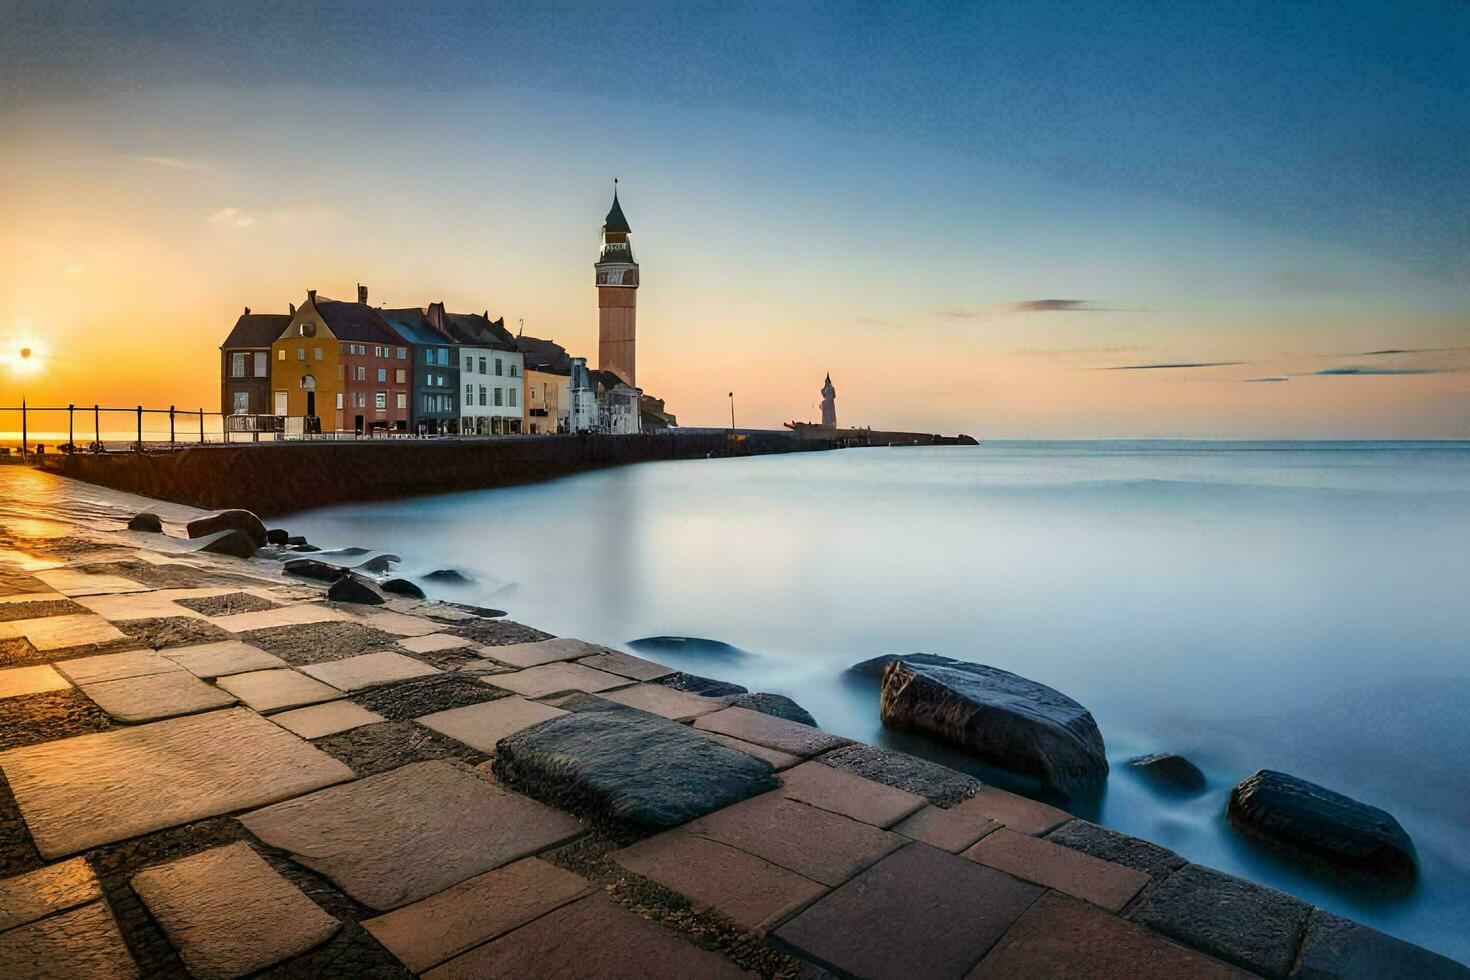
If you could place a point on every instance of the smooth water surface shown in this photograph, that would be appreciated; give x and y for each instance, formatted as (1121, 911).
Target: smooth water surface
(1302, 607)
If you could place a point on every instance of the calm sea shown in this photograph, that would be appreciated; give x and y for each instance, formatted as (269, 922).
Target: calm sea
(1294, 606)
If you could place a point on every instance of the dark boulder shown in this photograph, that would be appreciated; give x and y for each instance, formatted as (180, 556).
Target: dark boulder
(689, 646)
(225, 520)
(628, 769)
(704, 686)
(874, 667)
(402, 586)
(778, 705)
(1170, 770)
(233, 542)
(1003, 718)
(1327, 825)
(484, 611)
(313, 569)
(448, 575)
(277, 535)
(304, 547)
(297, 539)
(146, 522)
(352, 588)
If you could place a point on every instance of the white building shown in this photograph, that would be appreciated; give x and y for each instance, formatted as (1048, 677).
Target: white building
(491, 372)
(617, 404)
(584, 414)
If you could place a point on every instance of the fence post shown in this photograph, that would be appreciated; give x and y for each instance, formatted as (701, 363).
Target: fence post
(71, 428)
(97, 425)
(170, 427)
(201, 426)
(140, 428)
(24, 451)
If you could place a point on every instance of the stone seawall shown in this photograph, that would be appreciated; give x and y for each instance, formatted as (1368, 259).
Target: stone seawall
(279, 478)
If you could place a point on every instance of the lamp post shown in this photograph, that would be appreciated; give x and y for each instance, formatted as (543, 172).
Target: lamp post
(732, 411)
(25, 355)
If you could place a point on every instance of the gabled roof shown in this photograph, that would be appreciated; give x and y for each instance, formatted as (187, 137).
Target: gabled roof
(256, 330)
(615, 220)
(413, 326)
(607, 379)
(355, 321)
(544, 355)
(479, 330)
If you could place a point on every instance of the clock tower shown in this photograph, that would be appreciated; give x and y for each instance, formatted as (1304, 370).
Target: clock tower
(617, 296)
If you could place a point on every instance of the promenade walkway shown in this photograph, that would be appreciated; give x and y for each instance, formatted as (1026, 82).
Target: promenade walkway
(206, 770)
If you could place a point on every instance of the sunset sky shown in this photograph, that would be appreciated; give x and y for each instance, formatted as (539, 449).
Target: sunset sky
(1010, 219)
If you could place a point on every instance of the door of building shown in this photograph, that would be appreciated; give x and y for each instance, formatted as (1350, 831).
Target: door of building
(280, 403)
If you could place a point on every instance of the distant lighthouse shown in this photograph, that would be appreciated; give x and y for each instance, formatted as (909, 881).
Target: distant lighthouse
(829, 404)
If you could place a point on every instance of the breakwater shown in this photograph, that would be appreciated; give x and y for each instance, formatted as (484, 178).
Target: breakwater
(276, 478)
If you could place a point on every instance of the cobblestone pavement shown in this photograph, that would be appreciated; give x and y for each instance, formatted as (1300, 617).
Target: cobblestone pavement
(411, 833)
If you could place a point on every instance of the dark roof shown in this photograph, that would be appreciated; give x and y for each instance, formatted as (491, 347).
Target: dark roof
(257, 330)
(413, 326)
(607, 379)
(355, 321)
(479, 330)
(615, 220)
(544, 355)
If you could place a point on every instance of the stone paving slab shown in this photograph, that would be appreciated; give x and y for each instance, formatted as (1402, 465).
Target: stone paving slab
(481, 726)
(1016, 812)
(951, 830)
(211, 660)
(54, 888)
(432, 930)
(75, 582)
(58, 632)
(848, 794)
(770, 731)
(817, 844)
(1102, 883)
(274, 690)
(553, 678)
(178, 771)
(434, 642)
(1061, 937)
(295, 615)
(1335, 947)
(115, 666)
(230, 913)
(662, 701)
(154, 696)
(938, 784)
(143, 605)
(368, 670)
(559, 648)
(627, 665)
(403, 835)
(778, 760)
(751, 892)
(17, 681)
(399, 624)
(1132, 852)
(321, 720)
(589, 938)
(921, 912)
(81, 943)
(1235, 920)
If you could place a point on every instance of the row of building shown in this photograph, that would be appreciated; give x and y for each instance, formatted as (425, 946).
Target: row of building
(352, 367)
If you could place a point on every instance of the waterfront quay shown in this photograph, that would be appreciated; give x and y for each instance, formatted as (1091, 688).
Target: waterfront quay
(209, 768)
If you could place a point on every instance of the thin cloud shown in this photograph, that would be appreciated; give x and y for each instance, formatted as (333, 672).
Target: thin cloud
(1264, 380)
(1022, 306)
(231, 218)
(1170, 367)
(1406, 350)
(1369, 371)
(188, 164)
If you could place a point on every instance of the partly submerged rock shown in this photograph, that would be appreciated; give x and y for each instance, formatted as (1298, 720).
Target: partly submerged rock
(277, 535)
(225, 520)
(705, 686)
(690, 646)
(313, 569)
(297, 539)
(353, 588)
(628, 768)
(304, 547)
(774, 704)
(1171, 770)
(402, 586)
(232, 542)
(448, 575)
(146, 522)
(1328, 825)
(484, 611)
(874, 667)
(1003, 718)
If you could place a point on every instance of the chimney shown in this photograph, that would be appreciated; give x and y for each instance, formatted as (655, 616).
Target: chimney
(311, 295)
(293, 308)
(435, 314)
(362, 294)
(247, 311)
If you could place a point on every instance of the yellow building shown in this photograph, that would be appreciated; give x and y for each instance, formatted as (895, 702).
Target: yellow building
(548, 400)
(305, 362)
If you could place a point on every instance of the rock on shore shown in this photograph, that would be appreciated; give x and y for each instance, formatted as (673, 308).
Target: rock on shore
(1170, 770)
(1316, 820)
(778, 705)
(226, 520)
(1000, 717)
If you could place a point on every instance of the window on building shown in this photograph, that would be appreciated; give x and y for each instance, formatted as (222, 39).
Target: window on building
(402, 353)
(380, 399)
(316, 353)
(515, 372)
(512, 398)
(237, 365)
(482, 365)
(383, 375)
(362, 399)
(498, 371)
(499, 396)
(400, 376)
(240, 403)
(469, 392)
(339, 401)
(448, 403)
(469, 362)
(483, 395)
(262, 364)
(400, 400)
(444, 356)
(301, 353)
(281, 354)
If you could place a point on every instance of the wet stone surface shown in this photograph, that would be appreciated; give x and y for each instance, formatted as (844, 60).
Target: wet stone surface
(36, 718)
(496, 632)
(10, 611)
(171, 631)
(374, 749)
(309, 643)
(81, 943)
(425, 696)
(227, 605)
(941, 785)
